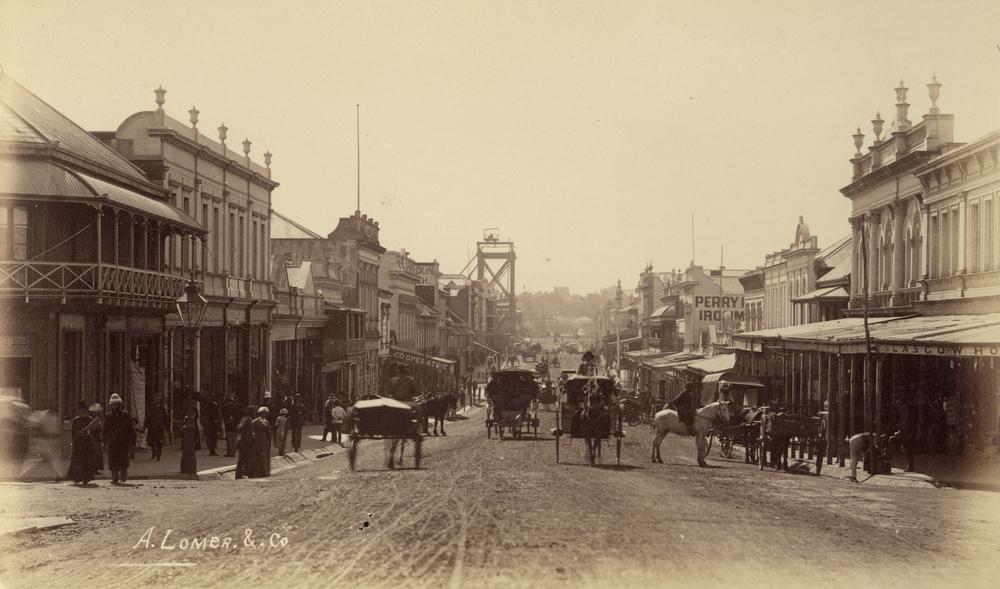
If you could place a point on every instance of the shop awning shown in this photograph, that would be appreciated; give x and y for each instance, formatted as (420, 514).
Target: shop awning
(715, 364)
(940, 335)
(47, 181)
(487, 348)
(826, 294)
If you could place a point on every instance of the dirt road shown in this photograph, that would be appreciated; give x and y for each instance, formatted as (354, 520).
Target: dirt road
(489, 513)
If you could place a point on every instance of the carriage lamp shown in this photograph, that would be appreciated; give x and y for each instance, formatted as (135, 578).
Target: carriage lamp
(191, 307)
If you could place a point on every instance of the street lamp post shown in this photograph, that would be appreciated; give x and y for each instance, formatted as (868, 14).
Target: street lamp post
(191, 307)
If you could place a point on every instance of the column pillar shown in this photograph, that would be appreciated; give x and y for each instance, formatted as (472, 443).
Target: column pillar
(842, 406)
(925, 261)
(898, 214)
(853, 429)
(100, 244)
(959, 241)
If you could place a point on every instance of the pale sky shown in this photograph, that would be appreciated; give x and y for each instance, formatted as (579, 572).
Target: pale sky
(588, 132)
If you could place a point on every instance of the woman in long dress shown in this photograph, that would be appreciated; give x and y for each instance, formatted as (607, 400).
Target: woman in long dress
(83, 455)
(120, 437)
(260, 460)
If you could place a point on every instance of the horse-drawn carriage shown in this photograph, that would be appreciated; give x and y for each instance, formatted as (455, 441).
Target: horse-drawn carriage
(383, 419)
(591, 412)
(777, 429)
(745, 393)
(512, 403)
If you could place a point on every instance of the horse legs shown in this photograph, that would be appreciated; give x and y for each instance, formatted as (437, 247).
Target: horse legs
(699, 442)
(442, 427)
(655, 453)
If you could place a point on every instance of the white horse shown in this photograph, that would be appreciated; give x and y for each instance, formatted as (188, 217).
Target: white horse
(667, 421)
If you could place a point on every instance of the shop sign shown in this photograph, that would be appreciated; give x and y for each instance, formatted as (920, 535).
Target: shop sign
(715, 308)
(415, 359)
(939, 349)
(15, 346)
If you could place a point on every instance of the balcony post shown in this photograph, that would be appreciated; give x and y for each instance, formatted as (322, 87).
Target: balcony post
(118, 243)
(145, 244)
(131, 241)
(99, 281)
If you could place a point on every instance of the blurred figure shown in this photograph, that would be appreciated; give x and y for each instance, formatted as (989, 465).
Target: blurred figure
(230, 420)
(327, 417)
(45, 428)
(260, 455)
(296, 419)
(244, 443)
(156, 428)
(211, 423)
(337, 416)
(281, 431)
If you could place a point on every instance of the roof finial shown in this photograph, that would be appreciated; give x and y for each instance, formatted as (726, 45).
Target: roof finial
(223, 131)
(194, 112)
(267, 158)
(934, 91)
(877, 124)
(160, 93)
(902, 107)
(859, 140)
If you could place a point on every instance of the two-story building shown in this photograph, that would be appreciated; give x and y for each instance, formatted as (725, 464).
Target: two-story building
(230, 196)
(922, 337)
(87, 279)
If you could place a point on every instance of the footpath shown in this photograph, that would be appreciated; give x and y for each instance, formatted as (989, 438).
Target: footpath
(980, 473)
(35, 469)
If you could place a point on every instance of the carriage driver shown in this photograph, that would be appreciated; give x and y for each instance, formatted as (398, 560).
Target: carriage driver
(402, 387)
(588, 366)
(684, 404)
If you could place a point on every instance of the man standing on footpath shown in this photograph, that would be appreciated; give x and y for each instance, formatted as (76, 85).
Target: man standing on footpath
(296, 419)
(120, 437)
(230, 419)
(212, 423)
(328, 418)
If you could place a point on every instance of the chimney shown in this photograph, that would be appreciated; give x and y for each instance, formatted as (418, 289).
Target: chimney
(223, 130)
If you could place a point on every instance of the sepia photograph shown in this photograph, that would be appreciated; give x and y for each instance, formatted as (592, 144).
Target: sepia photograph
(499, 294)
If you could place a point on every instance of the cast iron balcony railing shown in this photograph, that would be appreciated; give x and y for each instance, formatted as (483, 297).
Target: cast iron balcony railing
(69, 280)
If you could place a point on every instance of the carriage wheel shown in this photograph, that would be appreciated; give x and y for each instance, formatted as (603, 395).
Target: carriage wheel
(417, 443)
(726, 446)
(557, 448)
(708, 442)
(352, 452)
(618, 450)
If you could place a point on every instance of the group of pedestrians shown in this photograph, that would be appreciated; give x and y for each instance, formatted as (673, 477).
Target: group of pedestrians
(92, 431)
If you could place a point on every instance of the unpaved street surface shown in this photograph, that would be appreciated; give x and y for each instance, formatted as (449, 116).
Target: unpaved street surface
(490, 513)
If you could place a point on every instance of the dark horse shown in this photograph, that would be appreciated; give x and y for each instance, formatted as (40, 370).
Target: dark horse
(436, 407)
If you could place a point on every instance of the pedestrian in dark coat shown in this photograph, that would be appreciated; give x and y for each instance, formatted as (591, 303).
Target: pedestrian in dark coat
(120, 437)
(97, 412)
(83, 456)
(296, 419)
(156, 428)
(260, 456)
(230, 419)
(244, 444)
(211, 416)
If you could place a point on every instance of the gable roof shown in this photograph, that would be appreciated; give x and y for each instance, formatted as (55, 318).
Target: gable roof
(284, 228)
(26, 118)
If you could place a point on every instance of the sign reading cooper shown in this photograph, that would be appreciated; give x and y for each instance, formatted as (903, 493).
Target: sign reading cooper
(715, 308)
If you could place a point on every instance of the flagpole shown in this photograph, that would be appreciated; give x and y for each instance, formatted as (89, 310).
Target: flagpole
(358, 137)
